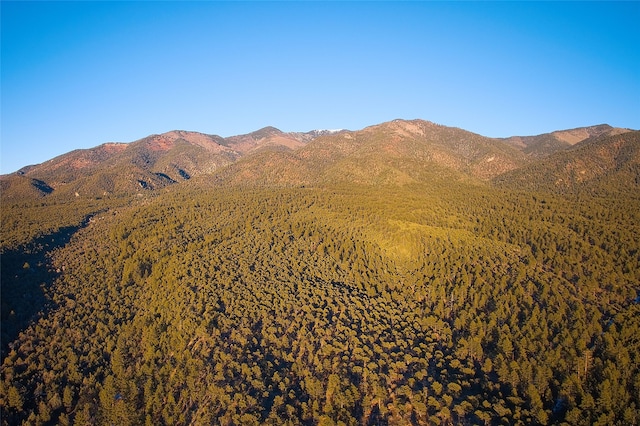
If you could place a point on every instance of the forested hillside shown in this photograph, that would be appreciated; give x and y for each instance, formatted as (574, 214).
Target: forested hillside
(148, 164)
(603, 166)
(441, 303)
(396, 152)
(406, 273)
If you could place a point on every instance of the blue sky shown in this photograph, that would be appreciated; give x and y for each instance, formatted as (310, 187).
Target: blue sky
(78, 74)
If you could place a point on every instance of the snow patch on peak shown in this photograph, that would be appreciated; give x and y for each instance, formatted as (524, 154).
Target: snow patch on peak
(320, 132)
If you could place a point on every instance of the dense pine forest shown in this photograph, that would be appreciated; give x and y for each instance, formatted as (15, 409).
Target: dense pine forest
(405, 274)
(450, 304)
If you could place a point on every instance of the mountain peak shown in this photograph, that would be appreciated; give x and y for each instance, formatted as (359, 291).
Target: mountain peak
(394, 151)
(546, 144)
(573, 136)
(265, 132)
(324, 132)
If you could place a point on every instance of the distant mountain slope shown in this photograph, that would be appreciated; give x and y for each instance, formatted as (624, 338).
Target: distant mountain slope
(267, 137)
(150, 163)
(395, 152)
(398, 151)
(548, 143)
(605, 163)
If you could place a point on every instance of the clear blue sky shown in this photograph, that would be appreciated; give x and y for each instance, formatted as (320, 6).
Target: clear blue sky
(78, 74)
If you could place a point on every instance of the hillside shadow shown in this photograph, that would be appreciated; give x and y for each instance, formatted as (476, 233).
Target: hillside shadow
(25, 275)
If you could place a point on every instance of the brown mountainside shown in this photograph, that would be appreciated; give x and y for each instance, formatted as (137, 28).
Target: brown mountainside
(602, 164)
(150, 163)
(540, 146)
(395, 152)
(267, 137)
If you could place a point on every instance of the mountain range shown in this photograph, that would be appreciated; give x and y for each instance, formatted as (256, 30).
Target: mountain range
(394, 152)
(405, 273)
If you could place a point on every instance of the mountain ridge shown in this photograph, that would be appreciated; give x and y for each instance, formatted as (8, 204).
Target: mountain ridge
(602, 164)
(394, 152)
(547, 143)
